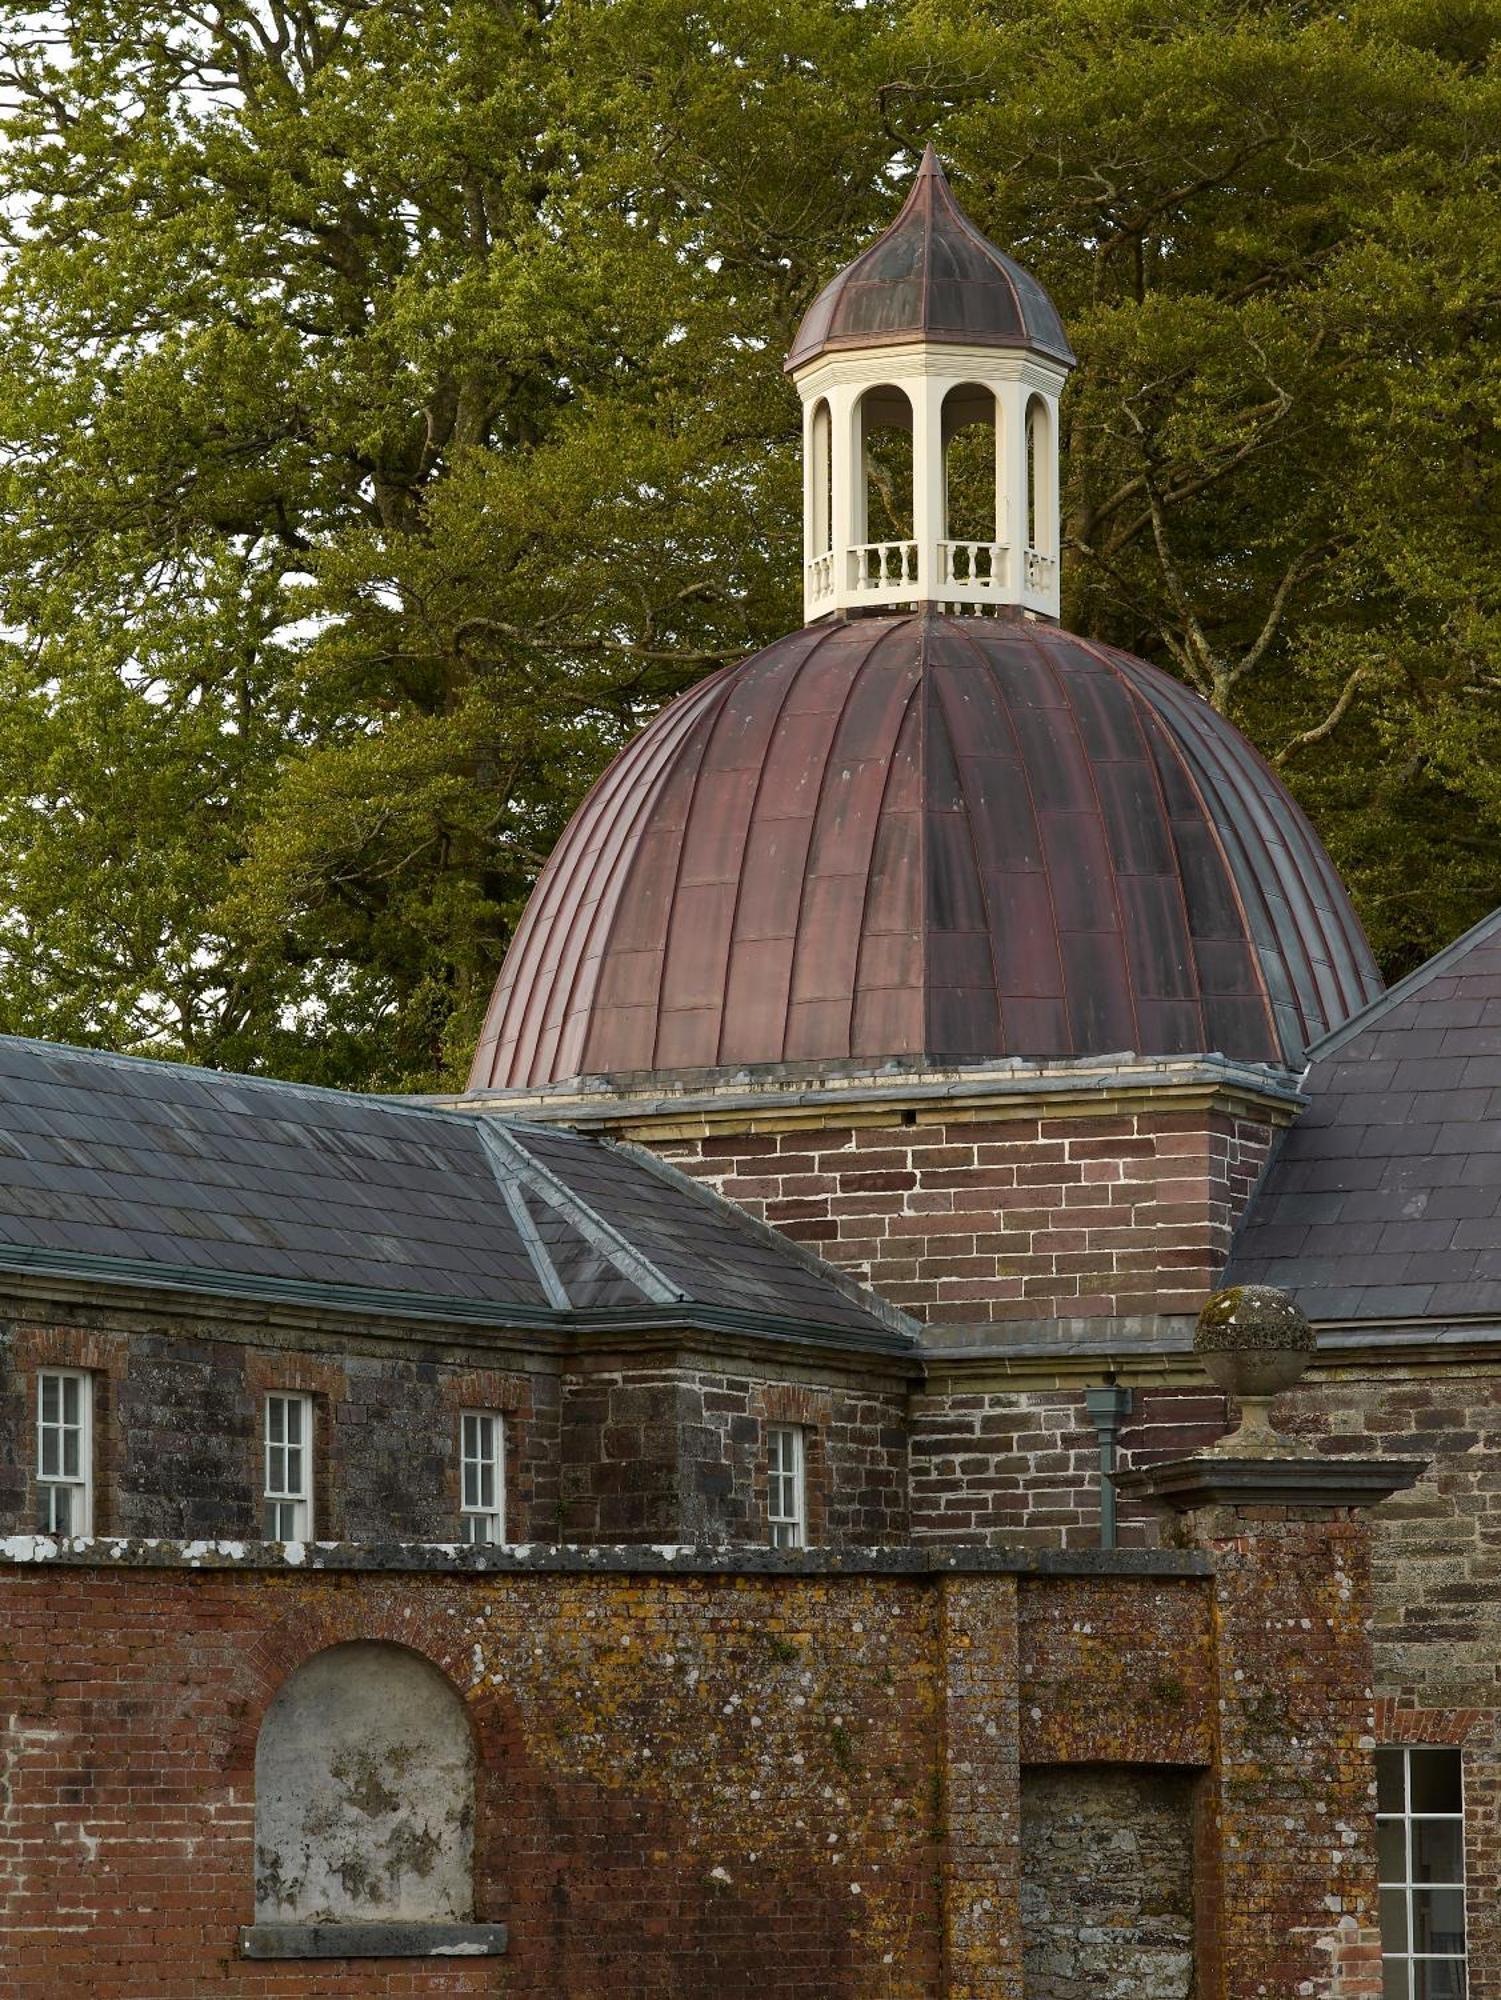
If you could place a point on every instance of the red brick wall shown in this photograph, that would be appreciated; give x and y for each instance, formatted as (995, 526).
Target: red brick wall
(745, 1786)
(1005, 1219)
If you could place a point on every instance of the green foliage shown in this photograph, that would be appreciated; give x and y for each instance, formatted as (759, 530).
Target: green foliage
(391, 418)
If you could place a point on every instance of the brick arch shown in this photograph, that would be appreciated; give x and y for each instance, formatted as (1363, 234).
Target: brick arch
(1397, 1723)
(302, 1634)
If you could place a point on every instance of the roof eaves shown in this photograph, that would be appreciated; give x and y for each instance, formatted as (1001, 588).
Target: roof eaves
(141, 1274)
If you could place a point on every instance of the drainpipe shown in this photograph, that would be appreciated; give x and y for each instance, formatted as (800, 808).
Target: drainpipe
(1107, 1405)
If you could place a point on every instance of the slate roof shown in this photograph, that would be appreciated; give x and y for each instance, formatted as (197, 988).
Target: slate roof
(1384, 1201)
(154, 1173)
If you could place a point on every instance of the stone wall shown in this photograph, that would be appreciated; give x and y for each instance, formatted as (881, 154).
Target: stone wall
(750, 1779)
(177, 1403)
(1000, 1219)
(1107, 1884)
(603, 1448)
(679, 1454)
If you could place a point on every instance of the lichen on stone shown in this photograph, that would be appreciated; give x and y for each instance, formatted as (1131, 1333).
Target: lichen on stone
(1252, 1318)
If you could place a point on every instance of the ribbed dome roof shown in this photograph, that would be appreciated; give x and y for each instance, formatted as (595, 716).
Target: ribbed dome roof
(931, 276)
(921, 836)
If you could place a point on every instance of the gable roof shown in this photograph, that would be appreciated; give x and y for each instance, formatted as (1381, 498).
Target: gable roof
(139, 1172)
(1384, 1201)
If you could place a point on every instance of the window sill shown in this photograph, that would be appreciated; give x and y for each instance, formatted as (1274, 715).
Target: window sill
(411, 1940)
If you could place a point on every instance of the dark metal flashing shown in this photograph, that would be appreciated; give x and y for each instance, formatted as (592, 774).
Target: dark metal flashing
(595, 1559)
(513, 1161)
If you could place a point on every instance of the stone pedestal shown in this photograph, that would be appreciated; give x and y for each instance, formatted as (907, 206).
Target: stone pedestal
(1286, 1877)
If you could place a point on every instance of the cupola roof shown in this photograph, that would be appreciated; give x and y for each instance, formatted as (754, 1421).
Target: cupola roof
(931, 276)
(928, 836)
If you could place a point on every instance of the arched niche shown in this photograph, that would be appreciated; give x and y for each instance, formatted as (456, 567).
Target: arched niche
(364, 1793)
(970, 428)
(883, 487)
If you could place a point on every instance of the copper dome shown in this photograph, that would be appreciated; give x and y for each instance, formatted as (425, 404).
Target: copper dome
(923, 836)
(931, 276)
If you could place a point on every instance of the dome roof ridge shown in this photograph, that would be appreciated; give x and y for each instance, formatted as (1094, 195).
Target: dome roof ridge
(931, 275)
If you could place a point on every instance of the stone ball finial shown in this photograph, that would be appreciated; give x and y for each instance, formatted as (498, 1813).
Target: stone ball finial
(1254, 1341)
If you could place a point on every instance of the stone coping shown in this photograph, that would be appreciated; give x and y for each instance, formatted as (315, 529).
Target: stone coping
(361, 1940)
(1294, 1481)
(736, 1098)
(614, 1559)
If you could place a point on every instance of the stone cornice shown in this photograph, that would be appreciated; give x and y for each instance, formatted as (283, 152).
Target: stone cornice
(703, 1104)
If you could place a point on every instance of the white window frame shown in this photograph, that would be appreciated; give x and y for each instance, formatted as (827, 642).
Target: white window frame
(287, 1466)
(482, 1477)
(786, 1486)
(1400, 1955)
(65, 1453)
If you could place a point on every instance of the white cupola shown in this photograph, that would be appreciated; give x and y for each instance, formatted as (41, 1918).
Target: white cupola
(930, 331)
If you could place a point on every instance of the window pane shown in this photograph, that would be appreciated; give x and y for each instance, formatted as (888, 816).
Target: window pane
(1394, 1981)
(51, 1389)
(70, 1454)
(1389, 1781)
(71, 1387)
(51, 1454)
(293, 1408)
(1435, 1781)
(1438, 1920)
(1391, 1851)
(276, 1416)
(1437, 1851)
(1394, 1920)
(1438, 1979)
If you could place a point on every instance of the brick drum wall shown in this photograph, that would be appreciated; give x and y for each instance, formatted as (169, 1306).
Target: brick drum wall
(1005, 1219)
